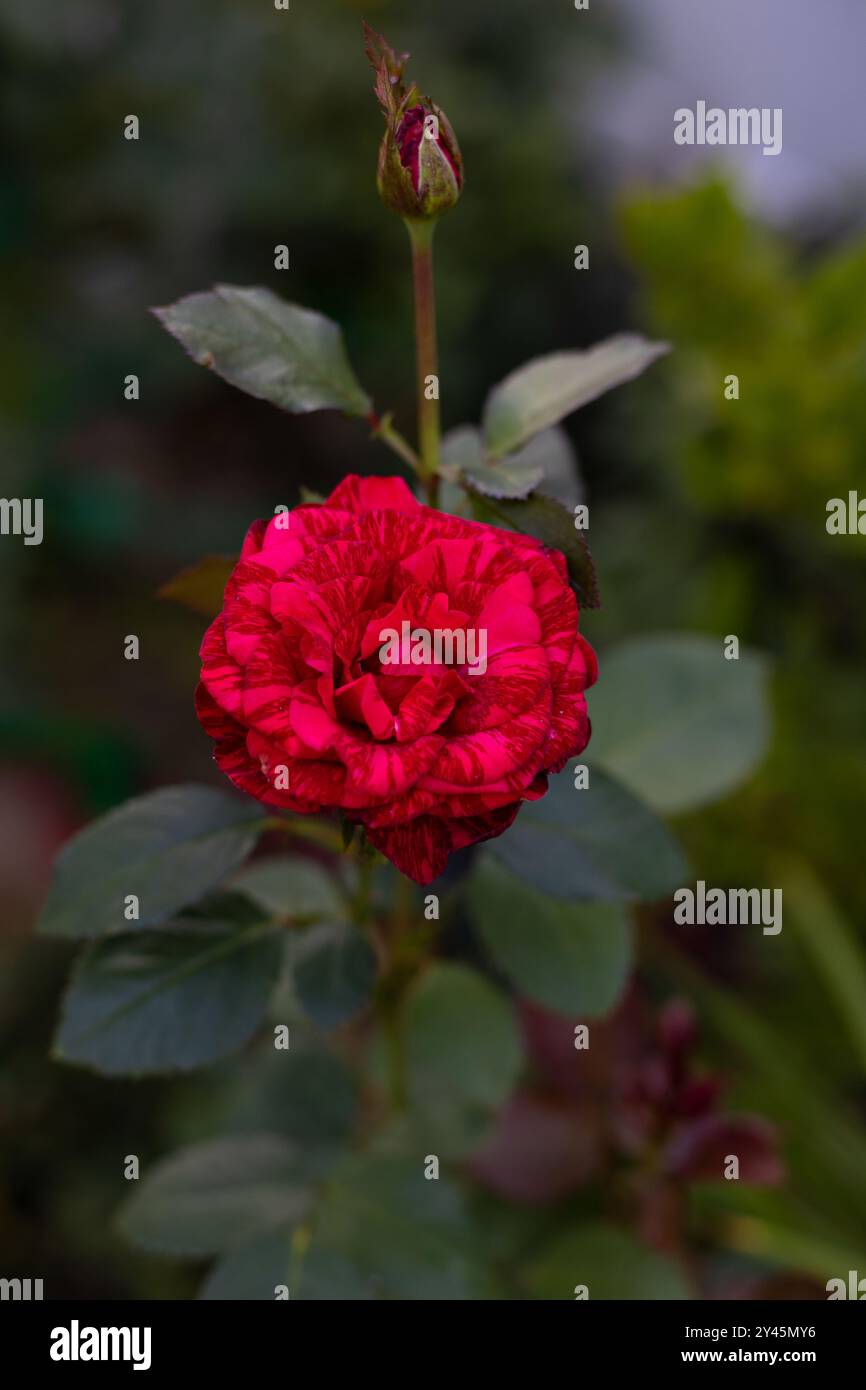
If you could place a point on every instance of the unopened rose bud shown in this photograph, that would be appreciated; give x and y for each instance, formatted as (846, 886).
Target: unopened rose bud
(678, 1027)
(698, 1096)
(700, 1150)
(420, 172)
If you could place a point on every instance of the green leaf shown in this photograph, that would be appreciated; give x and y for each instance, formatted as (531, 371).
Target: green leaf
(334, 971)
(549, 522)
(463, 1054)
(276, 351)
(572, 958)
(327, 1276)
(514, 476)
(546, 461)
(215, 1196)
(168, 999)
(608, 1261)
(558, 460)
(812, 1254)
(597, 843)
(304, 1093)
(834, 949)
(166, 848)
(222, 905)
(251, 1272)
(254, 1272)
(348, 830)
(544, 391)
(678, 723)
(201, 586)
(290, 886)
(407, 1237)
(460, 449)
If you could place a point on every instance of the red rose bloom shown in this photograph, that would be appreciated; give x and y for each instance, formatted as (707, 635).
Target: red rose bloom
(429, 758)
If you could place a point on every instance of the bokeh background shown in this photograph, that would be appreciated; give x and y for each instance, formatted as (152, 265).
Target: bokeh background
(259, 127)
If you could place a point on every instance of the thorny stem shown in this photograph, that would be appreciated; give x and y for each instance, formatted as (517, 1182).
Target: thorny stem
(426, 354)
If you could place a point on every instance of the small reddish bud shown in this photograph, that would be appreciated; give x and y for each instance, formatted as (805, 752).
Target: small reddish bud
(420, 172)
(678, 1027)
(699, 1150)
(653, 1081)
(698, 1096)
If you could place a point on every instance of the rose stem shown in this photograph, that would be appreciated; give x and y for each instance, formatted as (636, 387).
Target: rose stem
(387, 993)
(395, 1058)
(361, 901)
(427, 357)
(381, 428)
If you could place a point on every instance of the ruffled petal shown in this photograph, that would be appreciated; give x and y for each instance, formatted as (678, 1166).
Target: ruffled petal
(434, 748)
(357, 495)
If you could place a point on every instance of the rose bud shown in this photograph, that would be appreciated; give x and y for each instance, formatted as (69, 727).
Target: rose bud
(678, 1027)
(699, 1150)
(420, 172)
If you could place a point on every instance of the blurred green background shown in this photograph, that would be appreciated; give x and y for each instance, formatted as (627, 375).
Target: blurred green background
(259, 127)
